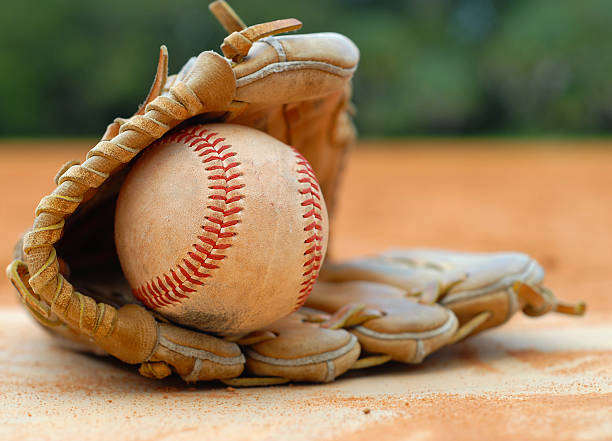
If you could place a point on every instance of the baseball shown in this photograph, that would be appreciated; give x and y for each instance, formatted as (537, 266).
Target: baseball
(221, 227)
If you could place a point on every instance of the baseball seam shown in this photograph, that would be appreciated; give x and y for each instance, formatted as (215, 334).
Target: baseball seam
(312, 202)
(179, 282)
(224, 205)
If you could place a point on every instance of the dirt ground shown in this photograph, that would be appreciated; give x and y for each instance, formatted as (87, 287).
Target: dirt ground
(533, 379)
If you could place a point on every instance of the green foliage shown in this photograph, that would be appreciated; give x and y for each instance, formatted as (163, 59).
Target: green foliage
(428, 66)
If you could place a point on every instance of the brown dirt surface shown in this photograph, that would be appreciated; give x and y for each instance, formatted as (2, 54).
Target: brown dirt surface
(533, 379)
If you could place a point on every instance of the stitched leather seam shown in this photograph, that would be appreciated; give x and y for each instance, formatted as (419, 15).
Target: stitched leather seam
(220, 161)
(312, 200)
(288, 66)
(449, 326)
(323, 357)
(529, 273)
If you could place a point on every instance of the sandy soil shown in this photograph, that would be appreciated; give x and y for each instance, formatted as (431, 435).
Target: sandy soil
(548, 378)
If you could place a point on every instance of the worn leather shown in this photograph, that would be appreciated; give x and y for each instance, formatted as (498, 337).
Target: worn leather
(466, 283)
(310, 107)
(302, 351)
(296, 89)
(222, 228)
(67, 270)
(401, 327)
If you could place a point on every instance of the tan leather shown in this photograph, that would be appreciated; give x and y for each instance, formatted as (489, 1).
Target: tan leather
(297, 89)
(398, 326)
(237, 45)
(134, 336)
(79, 182)
(469, 284)
(221, 228)
(311, 104)
(302, 351)
(309, 107)
(196, 356)
(67, 271)
(298, 67)
(226, 16)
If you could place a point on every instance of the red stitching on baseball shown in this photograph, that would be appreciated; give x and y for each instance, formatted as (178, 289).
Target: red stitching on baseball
(152, 287)
(199, 262)
(314, 253)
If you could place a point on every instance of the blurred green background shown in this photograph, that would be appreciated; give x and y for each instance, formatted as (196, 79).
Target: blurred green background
(452, 67)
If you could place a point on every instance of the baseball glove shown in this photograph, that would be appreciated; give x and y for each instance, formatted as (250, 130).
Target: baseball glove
(404, 304)
(66, 270)
(296, 88)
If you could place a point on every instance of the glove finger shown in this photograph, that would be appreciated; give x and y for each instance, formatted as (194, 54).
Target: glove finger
(490, 287)
(196, 356)
(132, 334)
(482, 269)
(302, 351)
(493, 288)
(414, 277)
(486, 287)
(336, 60)
(404, 329)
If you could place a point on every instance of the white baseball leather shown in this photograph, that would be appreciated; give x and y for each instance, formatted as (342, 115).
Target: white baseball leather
(221, 227)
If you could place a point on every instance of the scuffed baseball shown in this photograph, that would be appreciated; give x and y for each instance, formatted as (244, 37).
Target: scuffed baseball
(221, 227)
